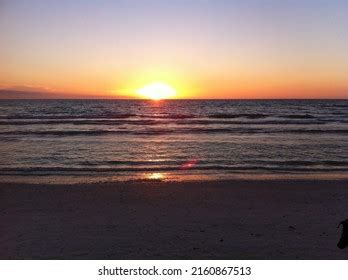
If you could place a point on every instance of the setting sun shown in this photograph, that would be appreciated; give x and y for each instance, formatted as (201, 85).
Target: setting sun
(157, 91)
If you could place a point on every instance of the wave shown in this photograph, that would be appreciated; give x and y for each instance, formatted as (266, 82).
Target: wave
(293, 116)
(301, 162)
(168, 116)
(173, 118)
(167, 121)
(341, 106)
(133, 163)
(160, 131)
(83, 122)
(93, 171)
(96, 116)
(235, 116)
(65, 117)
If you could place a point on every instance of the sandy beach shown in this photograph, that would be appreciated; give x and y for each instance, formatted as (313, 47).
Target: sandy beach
(241, 219)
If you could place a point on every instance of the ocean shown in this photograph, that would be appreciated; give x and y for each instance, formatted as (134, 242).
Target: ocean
(102, 140)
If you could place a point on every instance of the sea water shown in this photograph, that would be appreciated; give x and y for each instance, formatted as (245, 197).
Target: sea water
(172, 139)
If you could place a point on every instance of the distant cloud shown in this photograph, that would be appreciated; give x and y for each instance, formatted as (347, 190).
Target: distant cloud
(30, 88)
(41, 92)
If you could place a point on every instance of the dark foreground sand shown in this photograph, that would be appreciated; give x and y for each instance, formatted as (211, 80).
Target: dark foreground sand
(158, 220)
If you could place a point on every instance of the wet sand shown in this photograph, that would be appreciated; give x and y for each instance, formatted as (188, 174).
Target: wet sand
(240, 219)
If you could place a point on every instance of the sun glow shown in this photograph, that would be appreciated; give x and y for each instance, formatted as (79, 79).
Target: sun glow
(157, 91)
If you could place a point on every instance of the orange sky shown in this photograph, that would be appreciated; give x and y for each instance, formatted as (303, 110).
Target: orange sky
(203, 49)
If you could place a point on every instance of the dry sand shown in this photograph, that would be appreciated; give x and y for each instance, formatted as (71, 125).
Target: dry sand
(274, 219)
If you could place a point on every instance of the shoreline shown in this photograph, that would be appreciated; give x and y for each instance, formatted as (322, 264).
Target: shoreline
(165, 177)
(233, 219)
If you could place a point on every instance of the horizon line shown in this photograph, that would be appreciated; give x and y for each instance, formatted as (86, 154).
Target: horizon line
(170, 99)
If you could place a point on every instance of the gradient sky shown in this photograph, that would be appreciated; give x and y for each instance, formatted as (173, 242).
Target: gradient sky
(203, 48)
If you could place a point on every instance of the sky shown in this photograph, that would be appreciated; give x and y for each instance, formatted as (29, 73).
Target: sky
(202, 48)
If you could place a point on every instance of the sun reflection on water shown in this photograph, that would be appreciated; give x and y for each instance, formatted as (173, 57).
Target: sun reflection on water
(156, 176)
